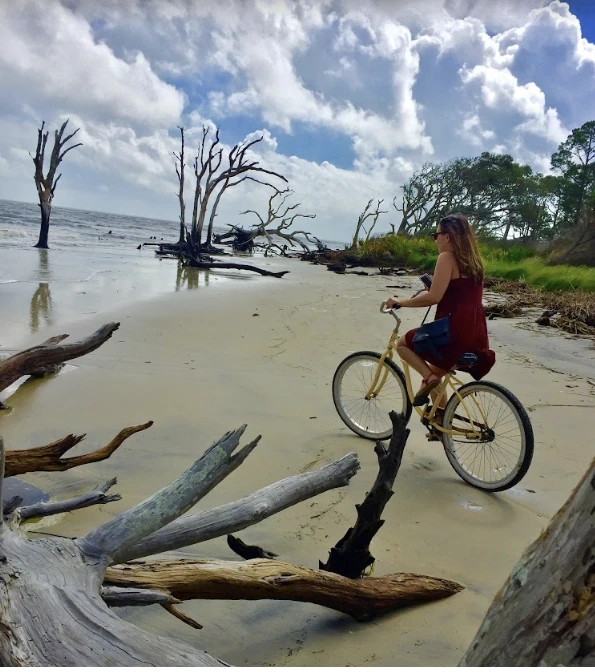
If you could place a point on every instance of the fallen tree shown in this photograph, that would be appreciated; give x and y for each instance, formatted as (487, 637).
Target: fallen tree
(277, 238)
(60, 579)
(51, 352)
(544, 615)
(68, 584)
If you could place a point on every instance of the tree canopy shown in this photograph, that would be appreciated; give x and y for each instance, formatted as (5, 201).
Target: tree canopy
(504, 198)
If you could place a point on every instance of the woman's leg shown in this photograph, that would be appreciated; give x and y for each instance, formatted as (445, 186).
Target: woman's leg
(414, 361)
(434, 393)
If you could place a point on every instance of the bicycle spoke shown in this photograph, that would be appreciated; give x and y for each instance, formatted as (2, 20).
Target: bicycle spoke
(496, 456)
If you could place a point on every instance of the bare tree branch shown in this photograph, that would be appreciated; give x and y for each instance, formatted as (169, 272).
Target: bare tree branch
(96, 496)
(49, 458)
(172, 501)
(14, 367)
(244, 512)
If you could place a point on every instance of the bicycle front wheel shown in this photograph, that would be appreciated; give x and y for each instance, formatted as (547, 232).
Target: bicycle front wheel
(495, 447)
(352, 381)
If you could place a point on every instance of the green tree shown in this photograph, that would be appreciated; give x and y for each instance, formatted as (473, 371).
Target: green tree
(575, 161)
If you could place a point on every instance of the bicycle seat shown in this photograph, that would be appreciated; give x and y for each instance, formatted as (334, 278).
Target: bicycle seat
(467, 360)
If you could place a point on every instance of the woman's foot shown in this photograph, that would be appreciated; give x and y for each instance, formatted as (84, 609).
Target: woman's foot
(435, 434)
(428, 384)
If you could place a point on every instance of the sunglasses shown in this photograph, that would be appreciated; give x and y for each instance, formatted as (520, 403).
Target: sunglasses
(438, 233)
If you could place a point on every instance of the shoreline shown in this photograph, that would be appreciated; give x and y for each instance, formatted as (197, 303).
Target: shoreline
(262, 351)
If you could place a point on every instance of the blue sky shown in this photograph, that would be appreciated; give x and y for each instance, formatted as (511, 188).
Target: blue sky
(350, 96)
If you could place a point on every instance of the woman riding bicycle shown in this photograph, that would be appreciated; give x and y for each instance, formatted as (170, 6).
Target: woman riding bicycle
(457, 290)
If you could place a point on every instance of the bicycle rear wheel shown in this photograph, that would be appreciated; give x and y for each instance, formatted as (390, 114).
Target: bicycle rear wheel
(351, 382)
(502, 455)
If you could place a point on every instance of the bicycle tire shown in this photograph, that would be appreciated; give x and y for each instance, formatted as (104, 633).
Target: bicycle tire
(458, 459)
(369, 411)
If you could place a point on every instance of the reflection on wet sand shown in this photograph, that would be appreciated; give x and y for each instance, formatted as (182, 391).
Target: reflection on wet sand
(190, 277)
(41, 301)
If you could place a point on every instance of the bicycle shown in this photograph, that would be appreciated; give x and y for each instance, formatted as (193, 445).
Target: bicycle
(485, 430)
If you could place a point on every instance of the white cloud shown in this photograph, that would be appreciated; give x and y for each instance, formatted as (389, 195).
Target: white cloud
(394, 82)
(473, 131)
(501, 90)
(49, 54)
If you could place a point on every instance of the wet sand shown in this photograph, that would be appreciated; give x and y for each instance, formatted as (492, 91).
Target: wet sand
(228, 350)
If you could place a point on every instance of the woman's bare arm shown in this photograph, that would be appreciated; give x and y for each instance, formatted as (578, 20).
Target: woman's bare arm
(442, 276)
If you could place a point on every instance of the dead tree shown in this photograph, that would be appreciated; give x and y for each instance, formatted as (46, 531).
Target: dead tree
(52, 586)
(280, 211)
(544, 615)
(366, 214)
(59, 580)
(51, 352)
(46, 184)
(212, 180)
(351, 556)
(180, 165)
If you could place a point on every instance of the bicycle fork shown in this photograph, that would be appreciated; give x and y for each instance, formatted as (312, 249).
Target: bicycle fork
(381, 374)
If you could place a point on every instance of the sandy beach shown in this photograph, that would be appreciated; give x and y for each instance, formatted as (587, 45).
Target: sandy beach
(201, 353)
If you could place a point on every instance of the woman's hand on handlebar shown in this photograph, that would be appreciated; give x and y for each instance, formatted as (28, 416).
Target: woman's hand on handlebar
(392, 303)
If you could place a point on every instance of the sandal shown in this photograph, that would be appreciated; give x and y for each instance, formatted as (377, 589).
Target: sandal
(427, 385)
(433, 433)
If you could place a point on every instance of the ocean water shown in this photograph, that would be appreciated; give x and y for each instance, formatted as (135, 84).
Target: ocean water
(71, 228)
(89, 271)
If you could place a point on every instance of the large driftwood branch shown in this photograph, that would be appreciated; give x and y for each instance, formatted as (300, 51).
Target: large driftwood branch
(51, 352)
(115, 596)
(195, 263)
(244, 512)
(49, 457)
(96, 496)
(172, 501)
(275, 580)
(351, 555)
(52, 613)
(544, 615)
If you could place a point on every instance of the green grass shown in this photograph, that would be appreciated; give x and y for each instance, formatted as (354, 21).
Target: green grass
(513, 263)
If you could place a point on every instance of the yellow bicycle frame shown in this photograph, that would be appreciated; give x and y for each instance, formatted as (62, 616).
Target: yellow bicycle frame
(429, 411)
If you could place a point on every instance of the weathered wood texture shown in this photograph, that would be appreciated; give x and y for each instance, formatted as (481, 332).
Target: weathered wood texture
(171, 501)
(51, 352)
(196, 263)
(49, 457)
(96, 496)
(275, 580)
(244, 512)
(351, 555)
(51, 613)
(545, 613)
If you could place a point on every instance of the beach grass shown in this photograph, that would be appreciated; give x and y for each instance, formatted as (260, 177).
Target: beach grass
(515, 263)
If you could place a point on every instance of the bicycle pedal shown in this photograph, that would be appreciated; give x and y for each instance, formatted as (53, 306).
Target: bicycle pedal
(421, 401)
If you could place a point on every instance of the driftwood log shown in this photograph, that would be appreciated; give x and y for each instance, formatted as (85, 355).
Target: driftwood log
(351, 555)
(544, 615)
(265, 579)
(49, 457)
(52, 351)
(196, 263)
(60, 580)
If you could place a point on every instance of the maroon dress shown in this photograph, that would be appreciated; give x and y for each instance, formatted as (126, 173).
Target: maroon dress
(468, 328)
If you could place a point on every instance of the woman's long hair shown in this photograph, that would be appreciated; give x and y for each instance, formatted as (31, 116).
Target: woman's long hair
(464, 245)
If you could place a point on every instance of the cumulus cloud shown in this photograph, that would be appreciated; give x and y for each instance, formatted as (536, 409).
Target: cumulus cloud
(397, 83)
(68, 68)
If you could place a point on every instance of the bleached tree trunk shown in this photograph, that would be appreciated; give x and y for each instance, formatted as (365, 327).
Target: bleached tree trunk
(46, 184)
(544, 615)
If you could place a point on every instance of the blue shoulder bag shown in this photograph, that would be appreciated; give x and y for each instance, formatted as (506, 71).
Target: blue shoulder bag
(432, 337)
